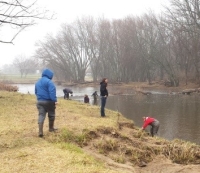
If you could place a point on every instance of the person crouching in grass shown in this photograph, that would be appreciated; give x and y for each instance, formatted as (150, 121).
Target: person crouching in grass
(154, 123)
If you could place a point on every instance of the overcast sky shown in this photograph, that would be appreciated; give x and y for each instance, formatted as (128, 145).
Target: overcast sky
(66, 12)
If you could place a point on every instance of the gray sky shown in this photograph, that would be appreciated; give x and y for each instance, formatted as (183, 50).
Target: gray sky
(68, 11)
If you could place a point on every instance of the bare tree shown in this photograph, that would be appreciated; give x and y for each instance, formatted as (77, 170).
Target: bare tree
(89, 32)
(69, 51)
(185, 14)
(16, 15)
(52, 54)
(131, 49)
(25, 65)
(20, 63)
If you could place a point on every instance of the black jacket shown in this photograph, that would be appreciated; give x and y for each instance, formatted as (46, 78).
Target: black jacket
(86, 99)
(103, 89)
(67, 90)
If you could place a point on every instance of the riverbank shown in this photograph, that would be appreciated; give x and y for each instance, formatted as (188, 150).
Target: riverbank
(142, 88)
(141, 85)
(84, 142)
(138, 86)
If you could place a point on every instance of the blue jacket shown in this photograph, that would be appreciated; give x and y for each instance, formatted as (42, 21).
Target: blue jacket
(45, 89)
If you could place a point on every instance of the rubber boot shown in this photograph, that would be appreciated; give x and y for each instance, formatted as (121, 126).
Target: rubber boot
(40, 130)
(51, 126)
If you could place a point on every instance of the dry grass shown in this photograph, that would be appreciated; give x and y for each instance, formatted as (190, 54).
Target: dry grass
(21, 149)
(6, 87)
(80, 129)
(182, 152)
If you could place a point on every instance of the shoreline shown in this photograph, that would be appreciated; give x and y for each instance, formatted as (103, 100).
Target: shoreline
(113, 141)
(140, 87)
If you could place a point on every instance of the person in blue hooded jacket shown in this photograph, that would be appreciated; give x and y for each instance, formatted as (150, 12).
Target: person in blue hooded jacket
(45, 92)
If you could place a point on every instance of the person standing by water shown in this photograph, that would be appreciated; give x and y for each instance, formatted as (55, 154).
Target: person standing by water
(45, 92)
(154, 123)
(95, 97)
(104, 95)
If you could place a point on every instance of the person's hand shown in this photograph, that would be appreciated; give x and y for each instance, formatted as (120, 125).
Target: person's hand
(56, 103)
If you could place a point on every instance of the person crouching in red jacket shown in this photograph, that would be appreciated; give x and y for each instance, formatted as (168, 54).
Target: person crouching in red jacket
(154, 123)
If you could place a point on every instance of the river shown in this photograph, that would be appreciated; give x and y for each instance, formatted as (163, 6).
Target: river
(179, 115)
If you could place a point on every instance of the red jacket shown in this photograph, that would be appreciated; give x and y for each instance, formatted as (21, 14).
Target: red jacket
(147, 121)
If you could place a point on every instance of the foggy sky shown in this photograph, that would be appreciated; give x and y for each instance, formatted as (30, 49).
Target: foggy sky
(66, 12)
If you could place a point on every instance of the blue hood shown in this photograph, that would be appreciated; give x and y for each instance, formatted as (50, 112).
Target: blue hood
(45, 89)
(48, 73)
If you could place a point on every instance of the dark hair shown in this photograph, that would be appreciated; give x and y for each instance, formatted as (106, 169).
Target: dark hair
(103, 80)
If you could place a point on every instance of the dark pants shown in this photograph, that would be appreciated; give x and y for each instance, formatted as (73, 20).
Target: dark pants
(154, 127)
(103, 104)
(46, 107)
(95, 102)
(66, 96)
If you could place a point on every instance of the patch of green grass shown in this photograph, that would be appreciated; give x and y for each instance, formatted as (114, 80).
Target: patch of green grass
(68, 136)
(69, 146)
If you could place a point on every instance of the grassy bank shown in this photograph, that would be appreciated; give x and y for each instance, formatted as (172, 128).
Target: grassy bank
(84, 143)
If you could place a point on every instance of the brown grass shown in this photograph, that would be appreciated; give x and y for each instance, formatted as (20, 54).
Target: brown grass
(80, 130)
(7, 87)
(22, 150)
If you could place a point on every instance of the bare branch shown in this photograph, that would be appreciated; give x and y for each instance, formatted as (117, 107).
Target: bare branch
(20, 14)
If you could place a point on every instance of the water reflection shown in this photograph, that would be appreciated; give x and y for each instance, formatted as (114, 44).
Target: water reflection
(178, 114)
(78, 92)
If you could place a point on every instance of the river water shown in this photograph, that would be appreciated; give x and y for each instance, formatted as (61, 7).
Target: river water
(179, 115)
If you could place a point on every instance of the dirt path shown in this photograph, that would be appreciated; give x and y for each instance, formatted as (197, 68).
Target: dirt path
(162, 165)
(126, 168)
